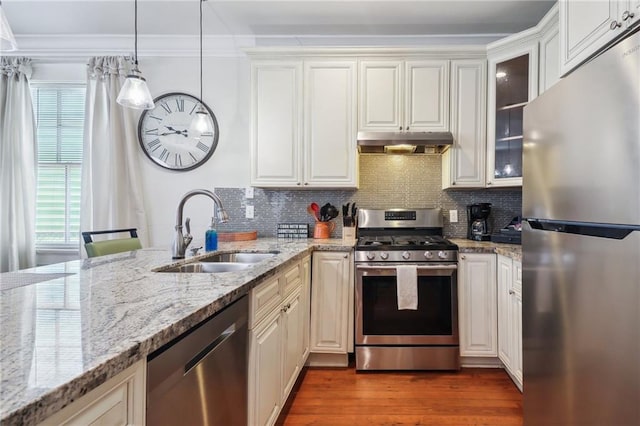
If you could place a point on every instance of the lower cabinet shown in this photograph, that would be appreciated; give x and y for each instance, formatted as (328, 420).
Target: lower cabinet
(510, 316)
(331, 308)
(278, 327)
(118, 401)
(477, 308)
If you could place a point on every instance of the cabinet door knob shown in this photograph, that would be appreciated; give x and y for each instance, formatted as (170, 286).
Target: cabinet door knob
(407, 127)
(512, 292)
(346, 256)
(400, 127)
(488, 183)
(463, 257)
(306, 183)
(615, 25)
(627, 15)
(298, 183)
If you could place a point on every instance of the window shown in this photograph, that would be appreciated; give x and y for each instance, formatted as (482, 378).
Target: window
(59, 113)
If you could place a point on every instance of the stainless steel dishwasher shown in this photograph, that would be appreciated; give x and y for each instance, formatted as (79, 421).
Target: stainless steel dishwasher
(201, 377)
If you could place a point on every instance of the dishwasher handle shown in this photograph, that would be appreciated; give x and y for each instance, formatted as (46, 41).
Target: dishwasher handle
(196, 360)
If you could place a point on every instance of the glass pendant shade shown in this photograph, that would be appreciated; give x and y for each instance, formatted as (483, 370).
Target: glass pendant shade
(200, 123)
(7, 40)
(134, 92)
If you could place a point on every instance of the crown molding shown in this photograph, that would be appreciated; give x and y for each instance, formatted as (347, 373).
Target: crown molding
(75, 46)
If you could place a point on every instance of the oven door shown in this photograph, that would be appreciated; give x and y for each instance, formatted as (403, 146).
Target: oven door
(378, 320)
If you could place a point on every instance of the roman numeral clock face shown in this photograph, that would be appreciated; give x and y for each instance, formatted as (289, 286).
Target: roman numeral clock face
(164, 133)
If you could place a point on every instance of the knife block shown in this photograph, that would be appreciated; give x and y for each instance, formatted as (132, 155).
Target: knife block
(348, 232)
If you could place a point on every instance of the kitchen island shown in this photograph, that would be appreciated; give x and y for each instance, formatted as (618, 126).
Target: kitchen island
(69, 327)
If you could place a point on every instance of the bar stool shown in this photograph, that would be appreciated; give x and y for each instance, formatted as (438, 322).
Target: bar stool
(100, 248)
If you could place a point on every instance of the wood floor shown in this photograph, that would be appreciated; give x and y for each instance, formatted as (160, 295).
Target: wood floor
(334, 397)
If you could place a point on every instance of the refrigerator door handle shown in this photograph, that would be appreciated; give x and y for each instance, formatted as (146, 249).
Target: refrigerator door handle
(600, 230)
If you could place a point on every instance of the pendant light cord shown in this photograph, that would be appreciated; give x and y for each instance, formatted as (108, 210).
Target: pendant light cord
(135, 32)
(201, 1)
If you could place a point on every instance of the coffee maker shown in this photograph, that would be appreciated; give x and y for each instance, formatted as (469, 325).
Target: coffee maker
(477, 223)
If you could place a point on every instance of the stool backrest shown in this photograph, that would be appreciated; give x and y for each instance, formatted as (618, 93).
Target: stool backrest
(100, 248)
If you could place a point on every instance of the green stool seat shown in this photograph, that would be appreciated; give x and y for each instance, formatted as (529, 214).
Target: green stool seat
(100, 248)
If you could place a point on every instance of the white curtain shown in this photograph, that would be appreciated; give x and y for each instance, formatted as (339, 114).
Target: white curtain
(17, 166)
(112, 194)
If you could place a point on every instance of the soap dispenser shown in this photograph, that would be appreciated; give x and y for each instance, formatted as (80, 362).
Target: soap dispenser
(211, 237)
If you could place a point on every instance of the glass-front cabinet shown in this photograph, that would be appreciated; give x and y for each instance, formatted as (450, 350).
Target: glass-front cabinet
(513, 82)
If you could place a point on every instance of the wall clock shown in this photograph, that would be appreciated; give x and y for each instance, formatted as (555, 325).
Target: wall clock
(163, 133)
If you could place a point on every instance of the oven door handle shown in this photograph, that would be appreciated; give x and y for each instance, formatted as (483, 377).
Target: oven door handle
(420, 267)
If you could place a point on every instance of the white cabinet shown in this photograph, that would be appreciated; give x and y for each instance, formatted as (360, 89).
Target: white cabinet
(278, 318)
(276, 123)
(331, 316)
(477, 305)
(549, 51)
(513, 82)
(118, 401)
(265, 377)
(463, 164)
(303, 124)
(397, 95)
(510, 317)
(587, 26)
(330, 95)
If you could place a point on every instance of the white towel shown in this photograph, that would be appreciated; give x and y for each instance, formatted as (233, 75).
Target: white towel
(407, 278)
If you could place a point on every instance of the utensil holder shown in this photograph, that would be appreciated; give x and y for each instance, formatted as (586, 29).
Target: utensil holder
(323, 230)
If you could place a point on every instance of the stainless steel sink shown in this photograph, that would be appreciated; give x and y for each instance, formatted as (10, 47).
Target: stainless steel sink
(221, 262)
(240, 257)
(209, 267)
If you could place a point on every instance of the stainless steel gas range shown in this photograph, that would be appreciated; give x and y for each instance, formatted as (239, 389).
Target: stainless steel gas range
(389, 338)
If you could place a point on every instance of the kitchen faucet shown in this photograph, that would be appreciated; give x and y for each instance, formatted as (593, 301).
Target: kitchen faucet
(181, 242)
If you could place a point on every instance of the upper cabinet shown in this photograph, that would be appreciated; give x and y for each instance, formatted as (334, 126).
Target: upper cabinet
(276, 123)
(587, 26)
(330, 93)
(513, 82)
(549, 51)
(398, 95)
(303, 124)
(463, 164)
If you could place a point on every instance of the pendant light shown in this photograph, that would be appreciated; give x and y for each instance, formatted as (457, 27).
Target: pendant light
(7, 40)
(201, 121)
(134, 92)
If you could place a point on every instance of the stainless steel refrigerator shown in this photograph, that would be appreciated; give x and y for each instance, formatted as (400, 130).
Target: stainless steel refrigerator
(581, 245)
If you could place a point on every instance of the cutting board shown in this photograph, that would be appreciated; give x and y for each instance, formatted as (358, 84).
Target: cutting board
(237, 236)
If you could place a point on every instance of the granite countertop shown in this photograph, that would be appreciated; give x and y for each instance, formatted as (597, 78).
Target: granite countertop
(68, 327)
(513, 251)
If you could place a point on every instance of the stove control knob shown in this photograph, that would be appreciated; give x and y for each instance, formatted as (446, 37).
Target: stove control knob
(384, 255)
(442, 255)
(406, 255)
(370, 255)
(428, 254)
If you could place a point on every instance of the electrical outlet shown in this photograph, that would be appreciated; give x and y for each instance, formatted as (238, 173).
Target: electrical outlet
(249, 212)
(453, 216)
(248, 192)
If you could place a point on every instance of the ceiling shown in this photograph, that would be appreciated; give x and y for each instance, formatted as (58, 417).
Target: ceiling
(268, 18)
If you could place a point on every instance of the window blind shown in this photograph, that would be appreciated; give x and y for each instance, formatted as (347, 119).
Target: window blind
(59, 115)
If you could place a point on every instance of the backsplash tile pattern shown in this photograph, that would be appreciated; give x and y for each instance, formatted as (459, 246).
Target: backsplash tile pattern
(385, 181)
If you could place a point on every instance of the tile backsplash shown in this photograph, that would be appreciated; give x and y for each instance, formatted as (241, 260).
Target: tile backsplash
(386, 181)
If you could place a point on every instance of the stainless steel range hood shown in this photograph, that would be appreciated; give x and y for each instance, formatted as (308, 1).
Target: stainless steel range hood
(404, 142)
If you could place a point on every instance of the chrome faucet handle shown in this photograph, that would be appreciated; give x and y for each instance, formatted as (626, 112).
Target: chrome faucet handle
(187, 237)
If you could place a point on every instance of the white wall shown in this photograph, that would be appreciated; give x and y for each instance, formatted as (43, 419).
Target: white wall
(226, 92)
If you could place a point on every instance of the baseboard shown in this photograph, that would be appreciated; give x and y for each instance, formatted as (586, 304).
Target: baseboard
(480, 362)
(327, 360)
